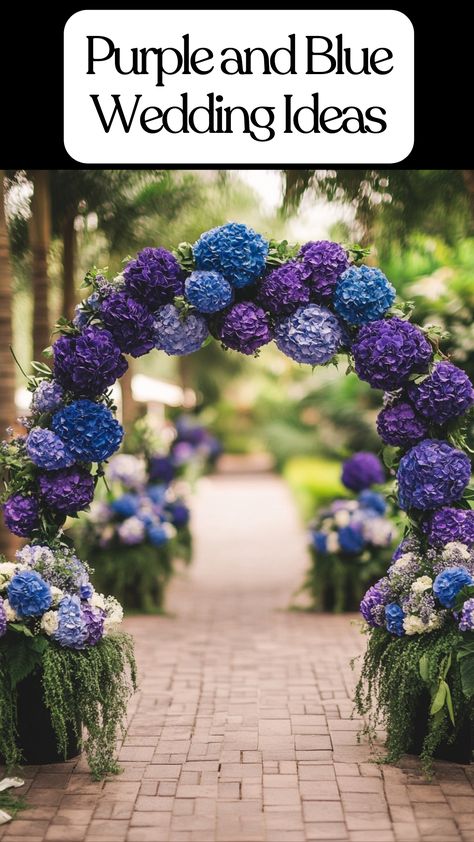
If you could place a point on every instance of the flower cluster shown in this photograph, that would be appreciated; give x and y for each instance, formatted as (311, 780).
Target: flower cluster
(362, 295)
(178, 334)
(48, 591)
(130, 323)
(324, 263)
(244, 327)
(432, 474)
(446, 393)
(89, 363)
(234, 250)
(388, 351)
(399, 425)
(448, 524)
(421, 591)
(154, 277)
(209, 292)
(285, 289)
(89, 431)
(311, 335)
(362, 470)
(353, 527)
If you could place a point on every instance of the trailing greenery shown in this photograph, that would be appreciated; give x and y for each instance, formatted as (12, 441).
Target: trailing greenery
(337, 582)
(81, 689)
(12, 803)
(399, 677)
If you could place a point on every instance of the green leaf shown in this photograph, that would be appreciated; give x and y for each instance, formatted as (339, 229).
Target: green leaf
(465, 593)
(390, 456)
(439, 698)
(449, 703)
(24, 655)
(466, 669)
(423, 667)
(19, 627)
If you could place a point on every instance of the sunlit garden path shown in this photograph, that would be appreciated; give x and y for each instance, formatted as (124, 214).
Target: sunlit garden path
(241, 730)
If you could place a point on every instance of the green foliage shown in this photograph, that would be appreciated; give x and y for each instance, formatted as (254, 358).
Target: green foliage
(314, 481)
(400, 675)
(280, 251)
(338, 582)
(12, 804)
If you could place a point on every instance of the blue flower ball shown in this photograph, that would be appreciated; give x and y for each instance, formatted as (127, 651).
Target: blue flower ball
(127, 505)
(311, 335)
(394, 616)
(157, 535)
(363, 294)
(89, 430)
(351, 540)
(72, 629)
(234, 250)
(209, 292)
(320, 542)
(177, 334)
(372, 500)
(46, 450)
(449, 582)
(28, 594)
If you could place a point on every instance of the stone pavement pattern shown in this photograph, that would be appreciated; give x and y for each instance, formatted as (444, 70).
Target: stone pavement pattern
(241, 731)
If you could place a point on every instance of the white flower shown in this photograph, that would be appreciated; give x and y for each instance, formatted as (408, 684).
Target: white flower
(57, 595)
(423, 583)
(403, 561)
(169, 530)
(342, 517)
(413, 624)
(457, 548)
(9, 612)
(50, 621)
(114, 614)
(379, 531)
(99, 512)
(97, 600)
(7, 571)
(332, 543)
(352, 505)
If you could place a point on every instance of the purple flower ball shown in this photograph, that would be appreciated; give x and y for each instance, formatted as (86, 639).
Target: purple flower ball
(154, 277)
(244, 327)
(47, 396)
(3, 619)
(466, 622)
(311, 335)
(67, 492)
(375, 597)
(129, 322)
(94, 623)
(47, 450)
(177, 334)
(387, 351)
(445, 394)
(161, 469)
(89, 363)
(449, 524)
(362, 470)
(21, 514)
(400, 426)
(432, 474)
(326, 261)
(284, 289)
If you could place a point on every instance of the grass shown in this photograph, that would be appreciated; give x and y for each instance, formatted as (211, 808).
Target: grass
(314, 481)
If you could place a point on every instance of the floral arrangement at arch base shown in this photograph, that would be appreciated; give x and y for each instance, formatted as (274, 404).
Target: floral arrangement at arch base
(319, 306)
(351, 539)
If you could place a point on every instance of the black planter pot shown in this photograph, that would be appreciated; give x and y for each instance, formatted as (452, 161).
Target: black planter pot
(458, 751)
(36, 736)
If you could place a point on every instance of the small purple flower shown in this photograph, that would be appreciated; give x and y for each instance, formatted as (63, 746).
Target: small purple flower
(93, 619)
(447, 584)
(362, 470)
(466, 622)
(311, 335)
(21, 514)
(283, 290)
(154, 277)
(28, 594)
(47, 396)
(448, 524)
(394, 616)
(373, 601)
(67, 492)
(47, 450)
(387, 351)
(326, 261)
(178, 334)
(89, 363)
(244, 327)
(130, 323)
(400, 426)
(432, 474)
(445, 394)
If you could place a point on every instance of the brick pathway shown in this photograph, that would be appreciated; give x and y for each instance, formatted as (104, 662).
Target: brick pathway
(242, 729)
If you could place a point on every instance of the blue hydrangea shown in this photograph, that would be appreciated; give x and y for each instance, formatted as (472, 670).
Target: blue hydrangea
(234, 250)
(394, 616)
(432, 474)
(177, 334)
(47, 450)
(320, 542)
(369, 499)
(311, 335)
(127, 505)
(351, 540)
(89, 430)
(28, 594)
(72, 630)
(363, 294)
(449, 582)
(47, 397)
(157, 535)
(209, 292)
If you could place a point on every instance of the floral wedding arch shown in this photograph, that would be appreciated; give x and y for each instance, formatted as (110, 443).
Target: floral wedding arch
(316, 303)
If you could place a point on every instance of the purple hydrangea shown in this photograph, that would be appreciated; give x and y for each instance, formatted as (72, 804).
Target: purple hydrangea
(326, 262)
(410, 544)
(94, 624)
(3, 619)
(28, 594)
(432, 474)
(178, 334)
(89, 363)
(244, 327)
(131, 531)
(47, 450)
(47, 396)
(311, 335)
(466, 621)
(448, 524)
(72, 630)
(447, 584)
(445, 394)
(67, 492)
(386, 352)
(394, 616)
(363, 294)
(21, 514)
(399, 425)
(89, 430)
(161, 469)
(373, 603)
(284, 289)
(129, 322)
(362, 470)
(154, 277)
(178, 514)
(234, 250)
(209, 292)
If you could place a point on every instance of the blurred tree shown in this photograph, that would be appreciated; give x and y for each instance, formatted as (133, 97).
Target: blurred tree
(7, 368)
(39, 230)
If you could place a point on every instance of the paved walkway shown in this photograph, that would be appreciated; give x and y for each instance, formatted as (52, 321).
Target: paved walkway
(242, 729)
